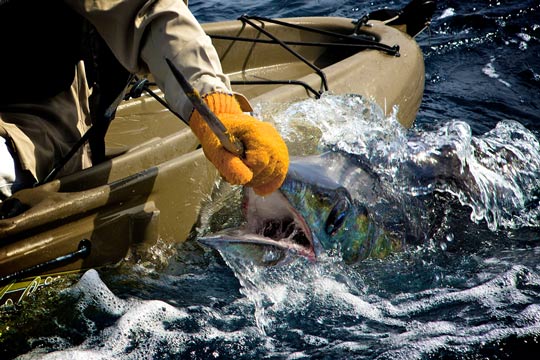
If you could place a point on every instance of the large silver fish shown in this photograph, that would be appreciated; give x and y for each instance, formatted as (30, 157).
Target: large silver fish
(328, 203)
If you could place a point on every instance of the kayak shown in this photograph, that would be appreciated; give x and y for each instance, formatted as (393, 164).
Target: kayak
(155, 178)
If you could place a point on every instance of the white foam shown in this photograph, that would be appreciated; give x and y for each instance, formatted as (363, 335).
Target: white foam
(448, 12)
(489, 70)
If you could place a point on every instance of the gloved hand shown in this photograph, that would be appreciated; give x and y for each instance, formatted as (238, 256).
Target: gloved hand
(266, 158)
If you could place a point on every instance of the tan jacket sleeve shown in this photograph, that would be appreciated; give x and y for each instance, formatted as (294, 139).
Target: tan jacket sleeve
(142, 33)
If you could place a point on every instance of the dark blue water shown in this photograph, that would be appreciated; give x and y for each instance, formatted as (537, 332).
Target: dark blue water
(470, 293)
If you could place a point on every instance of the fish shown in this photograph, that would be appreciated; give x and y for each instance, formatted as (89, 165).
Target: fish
(357, 206)
(329, 203)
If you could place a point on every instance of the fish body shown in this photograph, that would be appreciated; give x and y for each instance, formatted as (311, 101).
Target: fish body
(328, 203)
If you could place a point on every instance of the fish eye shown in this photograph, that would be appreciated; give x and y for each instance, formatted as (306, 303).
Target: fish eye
(337, 216)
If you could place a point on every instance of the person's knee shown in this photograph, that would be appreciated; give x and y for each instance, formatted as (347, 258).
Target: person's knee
(12, 178)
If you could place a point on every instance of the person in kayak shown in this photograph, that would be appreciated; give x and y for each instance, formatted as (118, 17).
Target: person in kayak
(55, 86)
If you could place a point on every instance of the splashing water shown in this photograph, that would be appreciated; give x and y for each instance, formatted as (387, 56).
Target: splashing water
(309, 310)
(496, 174)
(505, 167)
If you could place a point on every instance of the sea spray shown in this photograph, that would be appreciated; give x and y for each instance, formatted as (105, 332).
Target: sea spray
(496, 174)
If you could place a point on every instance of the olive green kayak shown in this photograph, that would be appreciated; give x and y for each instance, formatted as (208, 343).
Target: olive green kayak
(156, 178)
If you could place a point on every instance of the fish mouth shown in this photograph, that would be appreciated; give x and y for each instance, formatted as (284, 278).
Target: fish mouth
(274, 232)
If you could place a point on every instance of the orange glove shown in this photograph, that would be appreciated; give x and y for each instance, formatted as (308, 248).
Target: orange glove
(266, 158)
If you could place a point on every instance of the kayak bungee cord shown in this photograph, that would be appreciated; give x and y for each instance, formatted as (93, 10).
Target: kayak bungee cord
(324, 81)
(140, 85)
(355, 40)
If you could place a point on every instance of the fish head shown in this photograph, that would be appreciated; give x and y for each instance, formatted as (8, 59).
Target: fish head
(340, 224)
(274, 233)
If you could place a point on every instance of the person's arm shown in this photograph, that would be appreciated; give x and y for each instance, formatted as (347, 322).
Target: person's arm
(142, 33)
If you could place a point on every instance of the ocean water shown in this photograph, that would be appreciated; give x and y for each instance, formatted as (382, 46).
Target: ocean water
(471, 291)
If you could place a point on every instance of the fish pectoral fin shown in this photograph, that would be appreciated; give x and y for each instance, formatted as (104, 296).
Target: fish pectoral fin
(258, 250)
